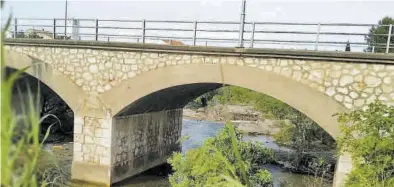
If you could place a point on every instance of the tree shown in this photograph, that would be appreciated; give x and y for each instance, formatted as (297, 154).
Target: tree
(53, 104)
(368, 136)
(377, 36)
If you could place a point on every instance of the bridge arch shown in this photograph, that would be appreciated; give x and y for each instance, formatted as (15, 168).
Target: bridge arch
(316, 105)
(43, 71)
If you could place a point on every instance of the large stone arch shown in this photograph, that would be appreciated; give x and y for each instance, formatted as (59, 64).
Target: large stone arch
(311, 102)
(60, 84)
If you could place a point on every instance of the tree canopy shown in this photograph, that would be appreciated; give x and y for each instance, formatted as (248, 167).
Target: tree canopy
(377, 36)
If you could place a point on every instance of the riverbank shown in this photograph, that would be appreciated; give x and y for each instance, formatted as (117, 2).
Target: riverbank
(287, 164)
(248, 120)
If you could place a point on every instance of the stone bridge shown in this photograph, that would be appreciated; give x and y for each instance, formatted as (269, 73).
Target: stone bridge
(127, 98)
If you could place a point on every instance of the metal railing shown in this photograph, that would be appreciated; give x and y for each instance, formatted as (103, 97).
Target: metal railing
(305, 36)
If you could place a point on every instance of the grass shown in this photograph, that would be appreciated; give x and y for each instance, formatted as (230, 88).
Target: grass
(21, 148)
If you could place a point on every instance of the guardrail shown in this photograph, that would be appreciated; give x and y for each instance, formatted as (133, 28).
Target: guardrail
(309, 36)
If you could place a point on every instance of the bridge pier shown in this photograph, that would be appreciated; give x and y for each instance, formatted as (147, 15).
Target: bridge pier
(343, 168)
(143, 141)
(110, 149)
(92, 149)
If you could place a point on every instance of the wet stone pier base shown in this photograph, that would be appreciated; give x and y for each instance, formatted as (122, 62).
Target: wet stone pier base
(143, 141)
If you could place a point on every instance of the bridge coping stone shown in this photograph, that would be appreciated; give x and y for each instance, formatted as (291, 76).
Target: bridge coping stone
(224, 51)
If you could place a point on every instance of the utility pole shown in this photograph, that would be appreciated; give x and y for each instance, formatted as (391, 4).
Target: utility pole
(65, 22)
(242, 25)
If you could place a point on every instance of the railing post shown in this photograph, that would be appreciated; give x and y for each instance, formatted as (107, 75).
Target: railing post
(54, 29)
(317, 36)
(143, 31)
(195, 33)
(373, 49)
(15, 27)
(389, 38)
(97, 27)
(252, 36)
(242, 25)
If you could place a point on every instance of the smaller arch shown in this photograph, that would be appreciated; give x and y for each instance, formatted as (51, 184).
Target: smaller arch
(61, 85)
(316, 105)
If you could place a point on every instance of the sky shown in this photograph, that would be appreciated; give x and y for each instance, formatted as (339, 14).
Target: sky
(256, 10)
(323, 11)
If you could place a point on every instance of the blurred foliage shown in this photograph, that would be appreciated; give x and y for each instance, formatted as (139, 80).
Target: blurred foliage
(21, 148)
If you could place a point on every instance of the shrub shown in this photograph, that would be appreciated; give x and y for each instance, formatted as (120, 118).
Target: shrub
(368, 136)
(221, 161)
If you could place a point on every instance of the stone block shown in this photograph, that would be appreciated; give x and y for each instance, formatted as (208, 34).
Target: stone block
(372, 81)
(104, 141)
(77, 147)
(89, 139)
(88, 130)
(77, 156)
(79, 138)
(77, 128)
(88, 148)
(345, 80)
(105, 160)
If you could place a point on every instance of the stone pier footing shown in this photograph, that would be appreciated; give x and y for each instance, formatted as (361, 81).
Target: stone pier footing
(343, 168)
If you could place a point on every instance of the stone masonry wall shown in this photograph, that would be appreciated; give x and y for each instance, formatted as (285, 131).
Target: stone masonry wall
(92, 140)
(96, 71)
(143, 141)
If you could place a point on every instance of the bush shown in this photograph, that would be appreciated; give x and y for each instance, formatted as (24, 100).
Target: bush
(262, 178)
(222, 161)
(368, 136)
(285, 135)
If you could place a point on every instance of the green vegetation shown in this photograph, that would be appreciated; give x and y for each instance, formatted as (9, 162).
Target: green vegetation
(378, 35)
(368, 136)
(224, 160)
(17, 143)
(302, 135)
(271, 107)
(21, 148)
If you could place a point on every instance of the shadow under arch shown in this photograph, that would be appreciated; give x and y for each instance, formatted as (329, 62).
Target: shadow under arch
(45, 99)
(314, 104)
(61, 85)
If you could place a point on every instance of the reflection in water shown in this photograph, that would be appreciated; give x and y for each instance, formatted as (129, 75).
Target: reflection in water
(197, 132)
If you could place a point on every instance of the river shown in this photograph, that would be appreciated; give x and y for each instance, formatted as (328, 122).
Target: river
(197, 132)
